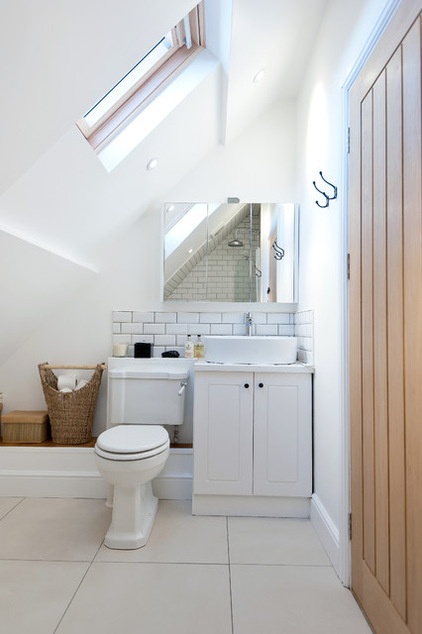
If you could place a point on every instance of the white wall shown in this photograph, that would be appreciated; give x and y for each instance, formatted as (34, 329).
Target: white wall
(55, 194)
(73, 305)
(73, 309)
(322, 126)
(59, 58)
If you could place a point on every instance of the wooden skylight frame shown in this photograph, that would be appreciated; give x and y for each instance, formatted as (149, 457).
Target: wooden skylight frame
(188, 37)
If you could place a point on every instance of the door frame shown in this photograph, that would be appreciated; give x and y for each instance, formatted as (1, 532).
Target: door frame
(344, 563)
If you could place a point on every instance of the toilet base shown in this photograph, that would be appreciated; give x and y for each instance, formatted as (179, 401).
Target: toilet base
(134, 511)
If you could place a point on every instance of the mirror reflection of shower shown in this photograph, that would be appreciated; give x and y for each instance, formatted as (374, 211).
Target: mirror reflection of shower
(244, 254)
(235, 242)
(253, 258)
(224, 252)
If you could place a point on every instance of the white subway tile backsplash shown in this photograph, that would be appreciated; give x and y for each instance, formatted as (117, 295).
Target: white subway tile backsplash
(168, 330)
(304, 317)
(165, 318)
(154, 329)
(165, 340)
(142, 338)
(233, 318)
(221, 329)
(278, 318)
(304, 330)
(132, 328)
(180, 341)
(239, 329)
(210, 318)
(199, 329)
(122, 315)
(259, 318)
(176, 329)
(188, 318)
(143, 317)
(286, 331)
(265, 330)
(121, 339)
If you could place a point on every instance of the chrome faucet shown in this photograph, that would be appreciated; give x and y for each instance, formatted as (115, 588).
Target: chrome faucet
(249, 324)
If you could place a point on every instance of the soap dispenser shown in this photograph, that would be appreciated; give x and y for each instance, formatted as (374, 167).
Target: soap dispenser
(189, 348)
(199, 348)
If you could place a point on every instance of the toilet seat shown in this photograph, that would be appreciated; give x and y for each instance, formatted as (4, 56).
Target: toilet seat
(132, 442)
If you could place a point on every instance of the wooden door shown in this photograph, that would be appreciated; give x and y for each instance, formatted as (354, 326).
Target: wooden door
(386, 329)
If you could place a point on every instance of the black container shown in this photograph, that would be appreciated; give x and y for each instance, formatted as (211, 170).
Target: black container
(142, 350)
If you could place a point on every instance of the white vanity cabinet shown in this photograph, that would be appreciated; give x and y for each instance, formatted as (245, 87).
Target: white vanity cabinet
(252, 438)
(223, 433)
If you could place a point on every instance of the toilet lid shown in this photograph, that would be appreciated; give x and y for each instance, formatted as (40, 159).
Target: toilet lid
(131, 439)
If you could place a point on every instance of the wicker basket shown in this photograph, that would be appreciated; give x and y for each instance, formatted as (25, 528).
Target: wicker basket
(71, 413)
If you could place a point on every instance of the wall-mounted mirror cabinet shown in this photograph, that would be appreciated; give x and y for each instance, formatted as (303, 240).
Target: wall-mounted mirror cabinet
(231, 252)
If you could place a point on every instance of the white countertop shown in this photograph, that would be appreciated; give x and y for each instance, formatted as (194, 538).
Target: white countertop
(205, 366)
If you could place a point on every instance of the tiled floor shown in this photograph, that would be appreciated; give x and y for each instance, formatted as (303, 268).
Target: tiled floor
(196, 575)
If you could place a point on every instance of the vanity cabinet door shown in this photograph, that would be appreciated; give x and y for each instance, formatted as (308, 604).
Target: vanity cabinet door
(282, 435)
(223, 405)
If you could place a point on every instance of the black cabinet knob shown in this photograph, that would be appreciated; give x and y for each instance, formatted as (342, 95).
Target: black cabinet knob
(246, 385)
(260, 385)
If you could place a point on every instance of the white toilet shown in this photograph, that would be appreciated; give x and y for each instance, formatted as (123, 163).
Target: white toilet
(143, 395)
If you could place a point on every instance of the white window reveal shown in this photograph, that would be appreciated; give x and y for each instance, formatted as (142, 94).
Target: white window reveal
(144, 82)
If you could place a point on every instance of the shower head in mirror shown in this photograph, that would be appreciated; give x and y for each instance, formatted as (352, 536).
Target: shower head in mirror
(235, 243)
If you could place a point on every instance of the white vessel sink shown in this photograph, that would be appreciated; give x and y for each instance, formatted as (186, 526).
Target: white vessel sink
(238, 349)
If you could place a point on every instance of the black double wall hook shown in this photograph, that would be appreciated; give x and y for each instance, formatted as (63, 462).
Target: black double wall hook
(279, 251)
(327, 198)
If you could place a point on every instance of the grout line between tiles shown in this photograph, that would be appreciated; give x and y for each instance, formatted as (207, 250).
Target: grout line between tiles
(79, 585)
(162, 563)
(12, 509)
(230, 575)
(278, 565)
(51, 561)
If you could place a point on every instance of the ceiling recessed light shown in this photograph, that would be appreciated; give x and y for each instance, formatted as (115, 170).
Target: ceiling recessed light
(260, 74)
(152, 164)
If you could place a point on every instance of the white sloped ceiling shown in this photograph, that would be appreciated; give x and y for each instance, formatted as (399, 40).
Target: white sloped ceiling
(58, 59)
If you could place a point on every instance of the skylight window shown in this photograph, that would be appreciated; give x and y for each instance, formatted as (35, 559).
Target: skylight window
(156, 55)
(108, 117)
(184, 226)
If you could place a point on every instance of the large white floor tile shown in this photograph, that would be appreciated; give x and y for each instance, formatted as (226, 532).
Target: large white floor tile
(7, 504)
(293, 600)
(260, 540)
(281, 580)
(34, 594)
(54, 529)
(151, 598)
(178, 537)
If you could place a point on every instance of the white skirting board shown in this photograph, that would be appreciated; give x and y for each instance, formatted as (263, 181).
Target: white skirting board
(250, 506)
(326, 530)
(71, 472)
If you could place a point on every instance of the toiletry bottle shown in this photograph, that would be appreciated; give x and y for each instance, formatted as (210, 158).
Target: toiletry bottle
(189, 348)
(199, 348)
